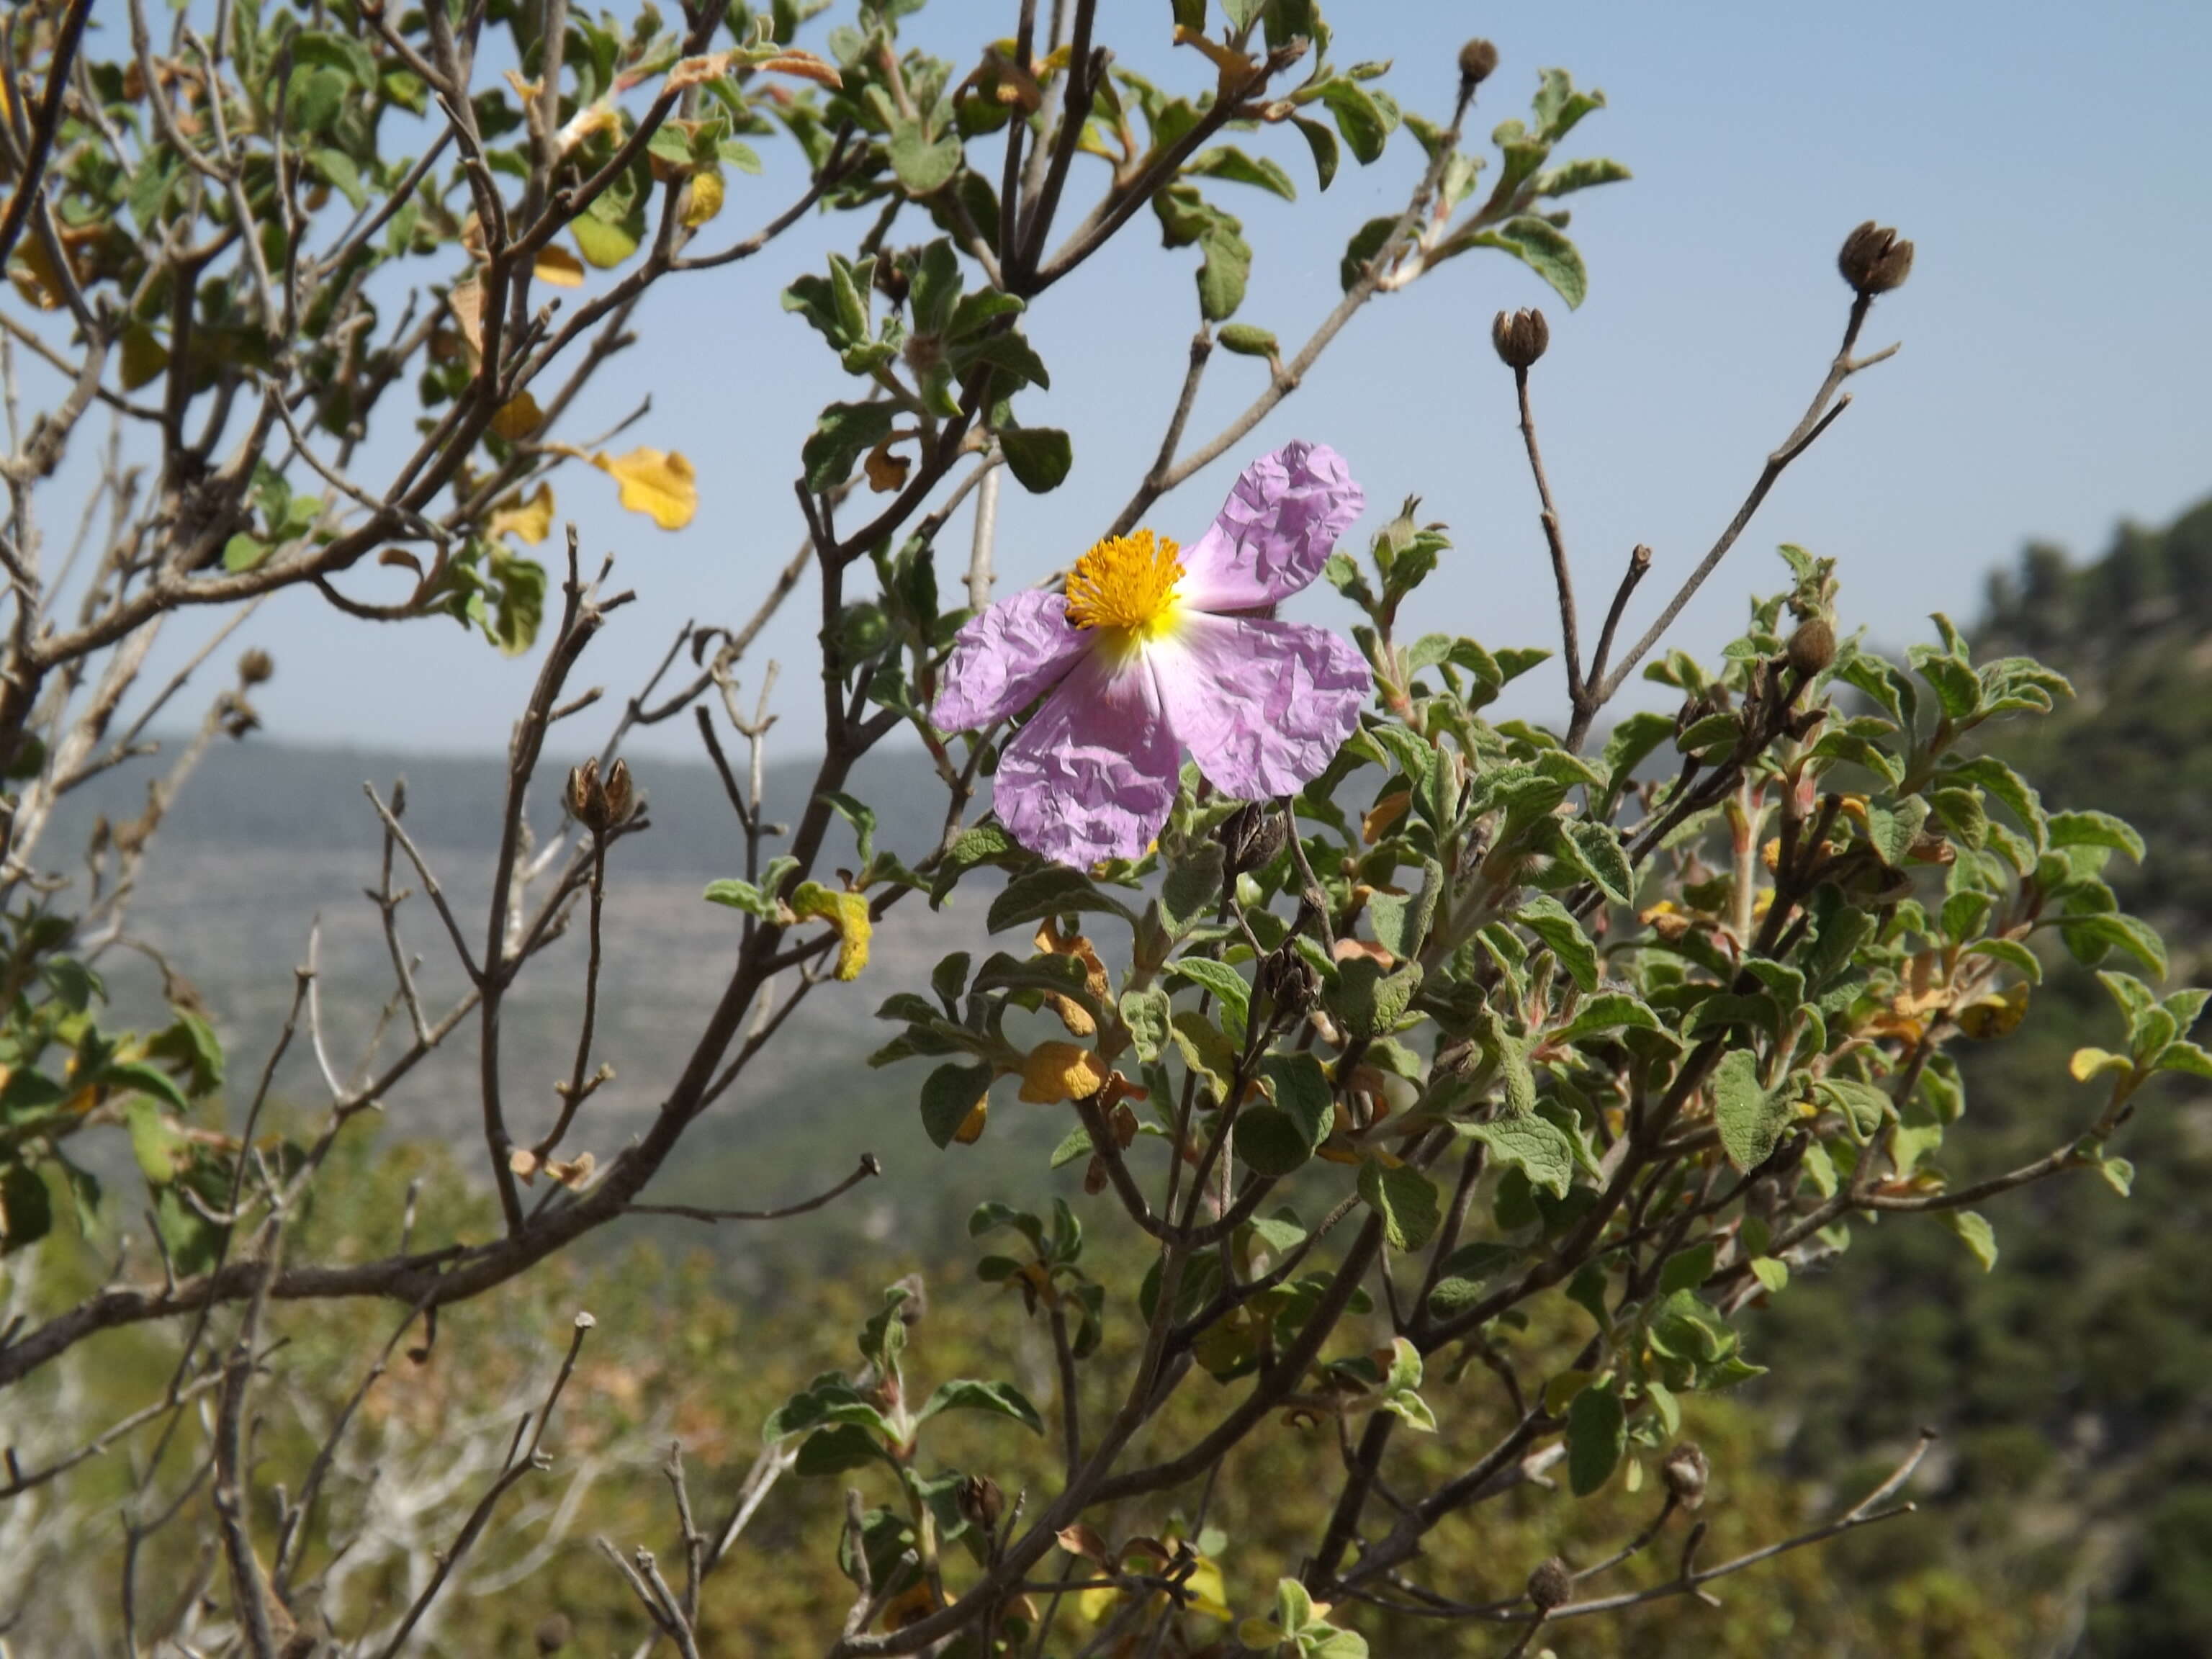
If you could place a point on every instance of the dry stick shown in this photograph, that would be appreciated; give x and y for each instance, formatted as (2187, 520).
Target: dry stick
(1818, 416)
(30, 177)
(1562, 577)
(514, 1468)
(869, 1166)
(1287, 377)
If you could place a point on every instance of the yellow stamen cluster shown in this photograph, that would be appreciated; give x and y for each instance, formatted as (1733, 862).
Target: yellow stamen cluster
(1124, 582)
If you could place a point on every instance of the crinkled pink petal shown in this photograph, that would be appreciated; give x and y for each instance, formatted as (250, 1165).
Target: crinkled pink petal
(1275, 531)
(1005, 659)
(1093, 774)
(1263, 705)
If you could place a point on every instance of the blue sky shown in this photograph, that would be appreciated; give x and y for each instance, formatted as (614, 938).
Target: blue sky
(2049, 163)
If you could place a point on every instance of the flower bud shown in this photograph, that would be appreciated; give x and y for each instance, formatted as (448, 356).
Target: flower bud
(255, 667)
(1250, 836)
(588, 798)
(1875, 259)
(1685, 1471)
(1520, 336)
(1477, 59)
(981, 1501)
(1812, 647)
(1551, 1585)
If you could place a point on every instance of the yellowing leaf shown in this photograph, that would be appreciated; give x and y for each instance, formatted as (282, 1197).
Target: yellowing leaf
(143, 356)
(705, 200)
(886, 471)
(2094, 1062)
(530, 517)
(849, 914)
(1994, 1015)
(1207, 1593)
(35, 275)
(559, 267)
(971, 1127)
(602, 246)
(466, 303)
(1061, 1070)
(517, 417)
(662, 486)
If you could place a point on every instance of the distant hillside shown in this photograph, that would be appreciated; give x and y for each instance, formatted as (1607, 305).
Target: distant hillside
(258, 793)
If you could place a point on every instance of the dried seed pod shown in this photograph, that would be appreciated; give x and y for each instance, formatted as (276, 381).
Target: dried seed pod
(1250, 836)
(981, 1501)
(1478, 59)
(1812, 647)
(1520, 336)
(255, 667)
(588, 798)
(1287, 978)
(1685, 1471)
(1875, 259)
(1551, 1585)
(621, 798)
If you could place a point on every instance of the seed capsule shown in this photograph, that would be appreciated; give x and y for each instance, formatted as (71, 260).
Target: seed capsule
(1520, 336)
(1875, 258)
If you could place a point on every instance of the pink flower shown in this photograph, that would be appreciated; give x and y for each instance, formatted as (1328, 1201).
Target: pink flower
(1151, 649)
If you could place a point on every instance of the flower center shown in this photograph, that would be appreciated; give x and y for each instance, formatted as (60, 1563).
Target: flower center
(1126, 582)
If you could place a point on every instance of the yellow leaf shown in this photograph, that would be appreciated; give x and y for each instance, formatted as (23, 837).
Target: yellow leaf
(886, 471)
(662, 486)
(1206, 1591)
(2091, 1062)
(517, 417)
(705, 200)
(971, 1127)
(35, 277)
(143, 356)
(849, 914)
(559, 267)
(1061, 1070)
(1095, 1604)
(1383, 814)
(530, 517)
(466, 303)
(1994, 1015)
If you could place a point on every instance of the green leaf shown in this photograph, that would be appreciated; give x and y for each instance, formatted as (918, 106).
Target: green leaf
(1319, 139)
(27, 1208)
(603, 246)
(1402, 920)
(842, 436)
(1147, 1014)
(1597, 1434)
(1405, 1200)
(1223, 275)
(2013, 954)
(923, 165)
(838, 1449)
(162, 1151)
(1539, 1149)
(2095, 829)
(1279, 1136)
(1553, 923)
(1362, 121)
(741, 895)
(1975, 1232)
(1051, 889)
(1218, 978)
(2091, 936)
(1247, 340)
(1000, 1399)
(1751, 1119)
(948, 1098)
(1545, 249)
(1227, 161)
(1608, 1010)
(1039, 457)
